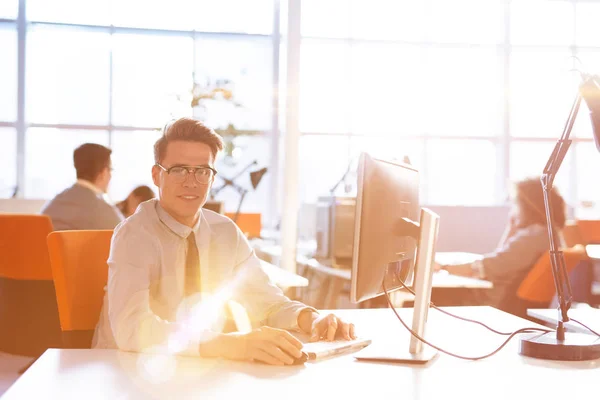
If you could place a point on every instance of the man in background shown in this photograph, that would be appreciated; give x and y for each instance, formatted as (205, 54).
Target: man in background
(83, 205)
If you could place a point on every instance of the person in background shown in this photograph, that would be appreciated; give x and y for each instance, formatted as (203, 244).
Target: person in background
(525, 239)
(174, 267)
(84, 205)
(137, 196)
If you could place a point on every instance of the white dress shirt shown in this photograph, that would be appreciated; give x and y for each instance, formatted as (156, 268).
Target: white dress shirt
(145, 309)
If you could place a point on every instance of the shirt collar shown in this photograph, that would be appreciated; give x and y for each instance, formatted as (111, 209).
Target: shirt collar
(90, 186)
(182, 230)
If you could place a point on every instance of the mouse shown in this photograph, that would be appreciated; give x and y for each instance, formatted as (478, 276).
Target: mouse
(301, 360)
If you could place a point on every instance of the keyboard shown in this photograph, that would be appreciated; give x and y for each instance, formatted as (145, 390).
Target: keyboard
(323, 349)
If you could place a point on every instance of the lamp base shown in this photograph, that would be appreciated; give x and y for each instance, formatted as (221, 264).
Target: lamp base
(575, 347)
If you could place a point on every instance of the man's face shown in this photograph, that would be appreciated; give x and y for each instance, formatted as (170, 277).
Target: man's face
(183, 200)
(103, 180)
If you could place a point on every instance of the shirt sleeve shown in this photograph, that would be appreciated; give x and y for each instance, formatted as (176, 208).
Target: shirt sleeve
(134, 325)
(265, 303)
(516, 256)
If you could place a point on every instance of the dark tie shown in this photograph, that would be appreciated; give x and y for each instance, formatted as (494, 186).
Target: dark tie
(192, 267)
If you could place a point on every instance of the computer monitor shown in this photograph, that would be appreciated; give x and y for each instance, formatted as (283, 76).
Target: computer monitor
(377, 239)
(387, 202)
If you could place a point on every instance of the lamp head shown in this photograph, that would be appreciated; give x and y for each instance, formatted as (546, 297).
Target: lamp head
(256, 176)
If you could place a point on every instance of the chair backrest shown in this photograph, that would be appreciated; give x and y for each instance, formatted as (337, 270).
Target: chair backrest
(23, 250)
(538, 285)
(590, 230)
(80, 273)
(249, 223)
(28, 312)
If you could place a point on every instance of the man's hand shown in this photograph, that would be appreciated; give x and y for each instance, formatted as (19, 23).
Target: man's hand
(265, 344)
(325, 327)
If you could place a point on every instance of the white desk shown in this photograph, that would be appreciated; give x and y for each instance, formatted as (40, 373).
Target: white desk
(282, 278)
(588, 316)
(110, 374)
(335, 278)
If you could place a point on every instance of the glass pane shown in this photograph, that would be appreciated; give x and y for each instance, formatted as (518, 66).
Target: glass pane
(132, 160)
(460, 172)
(89, 12)
(49, 159)
(528, 159)
(323, 161)
(156, 14)
(253, 151)
(9, 9)
(247, 65)
(387, 90)
(467, 21)
(150, 73)
(464, 88)
(325, 18)
(541, 92)
(8, 162)
(588, 190)
(588, 31)
(403, 150)
(242, 16)
(8, 73)
(541, 22)
(68, 76)
(324, 90)
(589, 62)
(386, 19)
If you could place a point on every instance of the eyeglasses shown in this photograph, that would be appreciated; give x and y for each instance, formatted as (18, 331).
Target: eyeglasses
(179, 173)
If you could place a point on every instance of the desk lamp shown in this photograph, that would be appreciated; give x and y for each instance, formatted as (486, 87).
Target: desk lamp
(561, 345)
(255, 178)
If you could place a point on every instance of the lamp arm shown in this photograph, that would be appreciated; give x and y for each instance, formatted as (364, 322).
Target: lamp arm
(557, 260)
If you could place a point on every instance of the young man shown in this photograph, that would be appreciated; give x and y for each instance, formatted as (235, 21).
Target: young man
(82, 206)
(173, 266)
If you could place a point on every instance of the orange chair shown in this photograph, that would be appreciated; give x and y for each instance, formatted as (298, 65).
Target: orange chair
(28, 312)
(538, 285)
(80, 273)
(249, 223)
(590, 230)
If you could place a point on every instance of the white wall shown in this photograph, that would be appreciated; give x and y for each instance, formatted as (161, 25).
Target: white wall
(471, 229)
(21, 206)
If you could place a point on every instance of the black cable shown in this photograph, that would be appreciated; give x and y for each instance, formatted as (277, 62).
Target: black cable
(585, 326)
(466, 319)
(525, 330)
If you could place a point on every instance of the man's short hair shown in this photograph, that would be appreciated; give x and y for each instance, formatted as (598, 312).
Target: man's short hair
(90, 160)
(187, 130)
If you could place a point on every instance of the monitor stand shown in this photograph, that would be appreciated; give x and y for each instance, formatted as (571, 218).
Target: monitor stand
(417, 352)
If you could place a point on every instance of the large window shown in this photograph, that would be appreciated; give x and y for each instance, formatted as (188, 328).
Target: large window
(114, 72)
(8, 162)
(8, 73)
(467, 89)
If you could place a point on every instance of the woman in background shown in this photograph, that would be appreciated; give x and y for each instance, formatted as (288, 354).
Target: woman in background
(525, 239)
(137, 196)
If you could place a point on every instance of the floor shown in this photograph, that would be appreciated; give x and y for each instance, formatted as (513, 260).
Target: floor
(9, 369)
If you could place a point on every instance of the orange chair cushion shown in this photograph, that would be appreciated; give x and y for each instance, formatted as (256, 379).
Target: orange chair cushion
(538, 285)
(590, 230)
(249, 223)
(80, 273)
(23, 251)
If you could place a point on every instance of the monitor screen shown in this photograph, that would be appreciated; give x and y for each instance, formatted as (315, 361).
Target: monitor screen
(384, 242)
